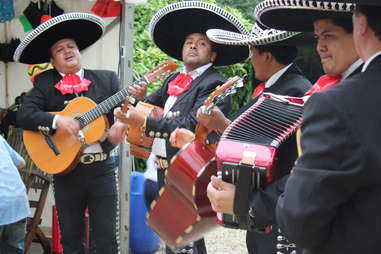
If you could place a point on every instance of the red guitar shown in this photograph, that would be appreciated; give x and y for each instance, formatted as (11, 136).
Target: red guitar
(60, 153)
(185, 191)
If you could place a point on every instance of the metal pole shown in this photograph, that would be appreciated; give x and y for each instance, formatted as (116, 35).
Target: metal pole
(125, 158)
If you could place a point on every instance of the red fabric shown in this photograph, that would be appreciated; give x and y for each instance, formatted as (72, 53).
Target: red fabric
(179, 85)
(107, 8)
(323, 83)
(72, 83)
(258, 90)
(45, 18)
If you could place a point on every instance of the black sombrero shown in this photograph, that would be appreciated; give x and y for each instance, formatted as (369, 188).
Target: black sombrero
(367, 2)
(260, 36)
(170, 25)
(84, 28)
(299, 15)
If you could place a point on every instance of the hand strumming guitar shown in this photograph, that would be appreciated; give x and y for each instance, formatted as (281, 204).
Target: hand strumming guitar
(67, 124)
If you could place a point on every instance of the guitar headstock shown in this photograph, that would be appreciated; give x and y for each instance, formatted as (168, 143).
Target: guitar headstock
(220, 90)
(161, 71)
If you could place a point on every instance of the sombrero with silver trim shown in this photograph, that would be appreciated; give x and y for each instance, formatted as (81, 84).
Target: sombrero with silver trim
(171, 24)
(299, 15)
(84, 28)
(260, 36)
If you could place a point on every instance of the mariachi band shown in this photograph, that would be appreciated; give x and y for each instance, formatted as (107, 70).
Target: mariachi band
(297, 167)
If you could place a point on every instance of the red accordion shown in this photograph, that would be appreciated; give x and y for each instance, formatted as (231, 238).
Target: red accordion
(247, 152)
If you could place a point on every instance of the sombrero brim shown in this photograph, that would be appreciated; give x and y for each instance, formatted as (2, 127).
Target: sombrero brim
(280, 38)
(300, 15)
(84, 28)
(170, 26)
(375, 3)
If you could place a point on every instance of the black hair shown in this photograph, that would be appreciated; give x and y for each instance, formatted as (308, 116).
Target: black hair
(374, 18)
(283, 54)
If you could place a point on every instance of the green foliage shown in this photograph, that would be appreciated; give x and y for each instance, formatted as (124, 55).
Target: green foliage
(246, 7)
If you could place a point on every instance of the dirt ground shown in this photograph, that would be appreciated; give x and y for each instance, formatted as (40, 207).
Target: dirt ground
(223, 241)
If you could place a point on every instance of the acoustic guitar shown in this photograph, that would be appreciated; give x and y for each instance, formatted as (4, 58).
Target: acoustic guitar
(140, 144)
(60, 153)
(186, 182)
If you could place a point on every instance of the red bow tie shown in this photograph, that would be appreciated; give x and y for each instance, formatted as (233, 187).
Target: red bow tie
(72, 83)
(179, 85)
(258, 90)
(323, 83)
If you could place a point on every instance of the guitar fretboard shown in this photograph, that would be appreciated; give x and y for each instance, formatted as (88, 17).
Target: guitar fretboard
(105, 106)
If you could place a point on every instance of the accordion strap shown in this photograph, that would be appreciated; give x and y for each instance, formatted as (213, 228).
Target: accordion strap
(241, 197)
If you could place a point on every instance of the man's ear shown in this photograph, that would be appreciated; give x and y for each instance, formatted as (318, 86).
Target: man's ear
(268, 56)
(363, 25)
(213, 56)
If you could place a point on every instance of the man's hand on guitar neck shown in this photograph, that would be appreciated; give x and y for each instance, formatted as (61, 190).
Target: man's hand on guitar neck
(67, 124)
(215, 121)
(132, 116)
(138, 91)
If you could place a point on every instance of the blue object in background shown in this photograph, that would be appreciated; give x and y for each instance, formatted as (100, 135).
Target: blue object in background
(142, 239)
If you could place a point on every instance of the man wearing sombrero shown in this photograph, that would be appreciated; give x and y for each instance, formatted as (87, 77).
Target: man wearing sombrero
(332, 25)
(92, 183)
(331, 199)
(273, 52)
(179, 30)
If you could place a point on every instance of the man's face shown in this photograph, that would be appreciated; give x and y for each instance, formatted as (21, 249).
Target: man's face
(197, 51)
(65, 56)
(335, 47)
(260, 65)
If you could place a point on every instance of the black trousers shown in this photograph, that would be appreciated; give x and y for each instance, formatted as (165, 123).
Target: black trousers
(198, 246)
(93, 186)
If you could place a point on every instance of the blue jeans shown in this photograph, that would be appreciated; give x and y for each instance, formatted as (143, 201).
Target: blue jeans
(12, 237)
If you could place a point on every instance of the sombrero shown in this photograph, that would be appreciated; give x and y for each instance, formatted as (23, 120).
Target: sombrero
(292, 15)
(84, 28)
(366, 2)
(171, 24)
(260, 35)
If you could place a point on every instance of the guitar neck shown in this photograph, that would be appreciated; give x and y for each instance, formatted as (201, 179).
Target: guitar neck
(105, 106)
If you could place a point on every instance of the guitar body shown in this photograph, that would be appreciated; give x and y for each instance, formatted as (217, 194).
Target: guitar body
(140, 143)
(70, 147)
(182, 213)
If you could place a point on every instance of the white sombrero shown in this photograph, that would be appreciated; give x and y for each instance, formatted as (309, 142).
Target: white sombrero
(260, 36)
(84, 28)
(171, 24)
(299, 15)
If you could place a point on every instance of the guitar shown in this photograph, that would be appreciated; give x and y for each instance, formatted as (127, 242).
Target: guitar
(140, 144)
(60, 153)
(185, 189)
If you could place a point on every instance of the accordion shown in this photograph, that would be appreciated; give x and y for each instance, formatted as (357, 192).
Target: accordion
(247, 153)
